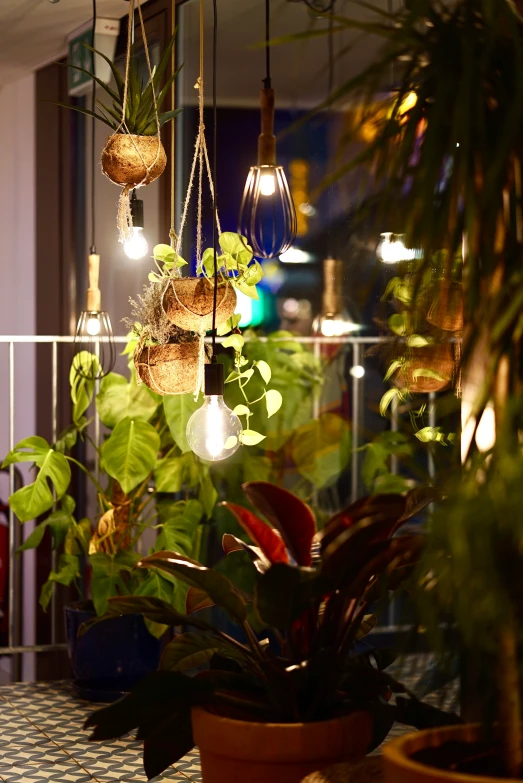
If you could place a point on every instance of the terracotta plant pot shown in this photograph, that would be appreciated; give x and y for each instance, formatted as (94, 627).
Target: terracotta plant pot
(439, 358)
(188, 303)
(446, 311)
(124, 155)
(169, 369)
(401, 768)
(235, 751)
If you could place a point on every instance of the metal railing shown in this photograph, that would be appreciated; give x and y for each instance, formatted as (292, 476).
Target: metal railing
(15, 595)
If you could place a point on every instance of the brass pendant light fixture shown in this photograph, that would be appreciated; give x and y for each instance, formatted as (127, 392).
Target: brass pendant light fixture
(94, 332)
(267, 213)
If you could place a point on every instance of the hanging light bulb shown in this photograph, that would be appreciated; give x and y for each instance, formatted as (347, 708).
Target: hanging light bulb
(267, 214)
(136, 247)
(213, 431)
(391, 249)
(94, 332)
(334, 319)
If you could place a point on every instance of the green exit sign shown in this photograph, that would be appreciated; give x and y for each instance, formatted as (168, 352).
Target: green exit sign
(82, 57)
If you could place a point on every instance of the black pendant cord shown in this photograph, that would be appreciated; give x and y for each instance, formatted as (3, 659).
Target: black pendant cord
(267, 80)
(330, 90)
(215, 194)
(93, 130)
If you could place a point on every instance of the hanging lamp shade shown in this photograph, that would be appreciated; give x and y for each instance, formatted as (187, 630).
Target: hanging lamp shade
(334, 320)
(94, 332)
(267, 213)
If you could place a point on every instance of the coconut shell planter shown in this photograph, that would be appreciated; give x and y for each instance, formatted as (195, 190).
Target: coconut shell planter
(171, 368)
(436, 358)
(188, 303)
(446, 312)
(133, 160)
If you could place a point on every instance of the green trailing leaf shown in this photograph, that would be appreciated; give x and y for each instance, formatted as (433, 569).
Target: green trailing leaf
(264, 370)
(417, 341)
(387, 398)
(169, 471)
(399, 323)
(251, 438)
(36, 498)
(273, 401)
(129, 454)
(235, 341)
(241, 410)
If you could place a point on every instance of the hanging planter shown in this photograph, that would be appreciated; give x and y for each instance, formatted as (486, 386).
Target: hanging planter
(171, 368)
(131, 161)
(133, 156)
(188, 303)
(446, 311)
(430, 368)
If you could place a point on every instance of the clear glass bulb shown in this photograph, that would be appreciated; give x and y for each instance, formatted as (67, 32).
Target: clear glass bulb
(213, 431)
(137, 246)
(93, 325)
(267, 184)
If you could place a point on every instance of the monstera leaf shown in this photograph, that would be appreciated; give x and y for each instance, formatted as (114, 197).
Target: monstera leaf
(54, 471)
(130, 453)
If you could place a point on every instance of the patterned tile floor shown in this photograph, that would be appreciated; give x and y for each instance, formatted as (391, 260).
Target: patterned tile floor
(41, 739)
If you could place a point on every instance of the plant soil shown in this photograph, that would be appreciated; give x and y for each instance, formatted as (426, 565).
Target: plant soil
(471, 758)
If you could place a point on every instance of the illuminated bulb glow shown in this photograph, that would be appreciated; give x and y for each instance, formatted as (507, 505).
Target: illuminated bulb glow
(357, 371)
(93, 325)
(267, 184)
(295, 256)
(392, 250)
(136, 247)
(337, 326)
(213, 431)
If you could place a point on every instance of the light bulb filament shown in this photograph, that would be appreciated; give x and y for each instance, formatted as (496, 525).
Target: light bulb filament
(267, 184)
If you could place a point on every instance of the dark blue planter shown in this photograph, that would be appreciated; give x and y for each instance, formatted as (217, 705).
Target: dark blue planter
(112, 656)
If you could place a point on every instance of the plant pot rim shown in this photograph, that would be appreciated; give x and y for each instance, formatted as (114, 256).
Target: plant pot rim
(280, 726)
(396, 752)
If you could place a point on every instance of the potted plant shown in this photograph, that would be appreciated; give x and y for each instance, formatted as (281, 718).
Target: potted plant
(188, 301)
(134, 492)
(165, 356)
(450, 166)
(293, 696)
(134, 154)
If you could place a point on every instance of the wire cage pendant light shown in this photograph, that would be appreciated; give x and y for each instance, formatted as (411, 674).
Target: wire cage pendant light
(267, 213)
(94, 332)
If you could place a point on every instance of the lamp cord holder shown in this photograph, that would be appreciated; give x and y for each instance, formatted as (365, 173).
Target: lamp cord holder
(267, 139)
(94, 297)
(214, 379)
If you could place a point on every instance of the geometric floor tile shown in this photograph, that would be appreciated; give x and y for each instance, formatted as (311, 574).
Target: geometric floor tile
(42, 741)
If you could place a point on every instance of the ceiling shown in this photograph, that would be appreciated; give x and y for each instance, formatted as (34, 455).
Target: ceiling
(34, 32)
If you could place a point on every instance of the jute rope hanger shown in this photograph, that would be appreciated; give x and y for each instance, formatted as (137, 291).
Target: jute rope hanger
(124, 218)
(200, 160)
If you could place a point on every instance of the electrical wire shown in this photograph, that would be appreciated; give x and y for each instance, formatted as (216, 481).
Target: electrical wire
(267, 80)
(93, 129)
(215, 194)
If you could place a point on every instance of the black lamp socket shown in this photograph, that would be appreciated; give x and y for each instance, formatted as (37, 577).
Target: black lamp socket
(214, 384)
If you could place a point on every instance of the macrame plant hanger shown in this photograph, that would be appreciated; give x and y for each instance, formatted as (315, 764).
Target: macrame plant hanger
(125, 218)
(200, 162)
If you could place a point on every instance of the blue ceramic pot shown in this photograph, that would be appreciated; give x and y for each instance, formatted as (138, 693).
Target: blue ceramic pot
(112, 656)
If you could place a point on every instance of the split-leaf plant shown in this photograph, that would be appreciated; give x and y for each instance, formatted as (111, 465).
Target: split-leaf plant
(310, 595)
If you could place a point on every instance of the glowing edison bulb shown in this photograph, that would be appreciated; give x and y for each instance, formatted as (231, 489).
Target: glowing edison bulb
(136, 247)
(93, 325)
(268, 184)
(213, 431)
